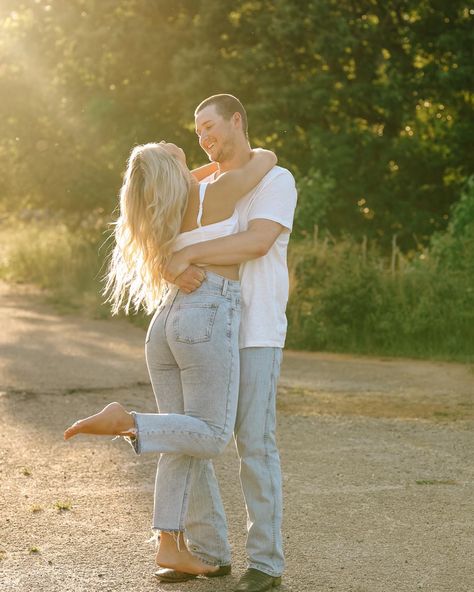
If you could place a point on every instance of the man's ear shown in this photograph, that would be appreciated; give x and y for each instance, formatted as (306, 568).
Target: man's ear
(237, 120)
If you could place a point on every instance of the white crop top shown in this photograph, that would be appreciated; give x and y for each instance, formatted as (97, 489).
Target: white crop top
(209, 231)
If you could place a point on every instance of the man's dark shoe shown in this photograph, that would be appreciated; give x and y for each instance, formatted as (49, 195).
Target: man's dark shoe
(171, 576)
(254, 580)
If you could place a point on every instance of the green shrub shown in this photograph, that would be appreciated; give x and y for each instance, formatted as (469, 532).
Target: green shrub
(346, 297)
(63, 258)
(454, 249)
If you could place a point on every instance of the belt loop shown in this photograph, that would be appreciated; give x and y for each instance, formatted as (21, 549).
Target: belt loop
(224, 287)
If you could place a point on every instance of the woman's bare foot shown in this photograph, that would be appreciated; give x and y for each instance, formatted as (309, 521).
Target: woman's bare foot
(113, 420)
(180, 559)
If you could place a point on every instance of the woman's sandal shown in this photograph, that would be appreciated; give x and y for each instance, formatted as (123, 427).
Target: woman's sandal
(171, 576)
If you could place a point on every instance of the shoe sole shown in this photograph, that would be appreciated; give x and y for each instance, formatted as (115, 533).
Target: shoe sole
(176, 579)
(275, 584)
(181, 576)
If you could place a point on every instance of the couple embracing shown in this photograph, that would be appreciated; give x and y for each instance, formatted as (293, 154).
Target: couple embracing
(205, 250)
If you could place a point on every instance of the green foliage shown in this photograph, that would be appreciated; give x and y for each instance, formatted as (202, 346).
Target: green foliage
(315, 201)
(454, 249)
(462, 219)
(346, 297)
(67, 260)
(370, 102)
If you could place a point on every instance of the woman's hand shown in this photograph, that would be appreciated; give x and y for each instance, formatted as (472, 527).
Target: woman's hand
(190, 280)
(181, 273)
(176, 265)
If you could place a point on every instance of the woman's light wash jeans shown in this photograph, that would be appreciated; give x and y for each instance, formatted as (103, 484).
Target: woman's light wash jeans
(193, 361)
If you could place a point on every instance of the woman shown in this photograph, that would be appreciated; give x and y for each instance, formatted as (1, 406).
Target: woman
(192, 341)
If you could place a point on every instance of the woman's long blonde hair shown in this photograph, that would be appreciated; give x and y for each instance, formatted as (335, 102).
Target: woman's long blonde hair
(153, 199)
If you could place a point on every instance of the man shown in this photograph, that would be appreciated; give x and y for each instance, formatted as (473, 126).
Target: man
(265, 218)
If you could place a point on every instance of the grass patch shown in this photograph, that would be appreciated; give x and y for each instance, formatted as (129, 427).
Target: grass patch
(436, 482)
(26, 471)
(34, 550)
(66, 261)
(346, 297)
(63, 506)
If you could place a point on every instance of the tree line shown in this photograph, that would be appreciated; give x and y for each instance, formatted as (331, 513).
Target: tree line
(367, 102)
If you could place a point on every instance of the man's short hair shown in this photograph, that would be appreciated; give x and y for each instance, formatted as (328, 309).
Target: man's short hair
(226, 106)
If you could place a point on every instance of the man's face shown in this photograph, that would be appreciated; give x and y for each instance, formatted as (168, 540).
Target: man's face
(216, 135)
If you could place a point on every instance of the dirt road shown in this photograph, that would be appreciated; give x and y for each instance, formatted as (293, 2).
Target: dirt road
(377, 457)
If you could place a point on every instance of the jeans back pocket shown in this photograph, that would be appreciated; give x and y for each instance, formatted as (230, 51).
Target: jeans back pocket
(193, 322)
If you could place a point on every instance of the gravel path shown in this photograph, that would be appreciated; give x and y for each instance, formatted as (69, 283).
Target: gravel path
(377, 457)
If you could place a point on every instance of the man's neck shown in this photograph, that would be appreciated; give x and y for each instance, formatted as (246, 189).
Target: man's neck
(239, 159)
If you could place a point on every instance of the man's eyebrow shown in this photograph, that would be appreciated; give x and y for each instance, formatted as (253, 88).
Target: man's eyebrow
(203, 123)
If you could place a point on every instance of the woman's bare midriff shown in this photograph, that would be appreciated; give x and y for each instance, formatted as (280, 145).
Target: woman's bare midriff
(231, 272)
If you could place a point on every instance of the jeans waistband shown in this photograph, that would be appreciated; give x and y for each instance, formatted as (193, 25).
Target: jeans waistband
(220, 284)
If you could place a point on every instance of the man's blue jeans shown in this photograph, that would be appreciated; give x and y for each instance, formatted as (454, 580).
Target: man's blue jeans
(260, 473)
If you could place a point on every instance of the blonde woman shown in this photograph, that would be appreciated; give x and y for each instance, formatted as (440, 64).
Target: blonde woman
(192, 342)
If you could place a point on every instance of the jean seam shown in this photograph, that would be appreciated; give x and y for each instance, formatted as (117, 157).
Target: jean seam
(272, 395)
(231, 377)
(198, 434)
(265, 441)
(220, 550)
(152, 324)
(165, 322)
(225, 427)
(181, 521)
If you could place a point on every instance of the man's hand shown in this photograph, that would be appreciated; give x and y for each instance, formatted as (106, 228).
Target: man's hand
(190, 280)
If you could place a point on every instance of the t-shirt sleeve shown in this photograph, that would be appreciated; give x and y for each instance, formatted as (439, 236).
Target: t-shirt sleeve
(276, 200)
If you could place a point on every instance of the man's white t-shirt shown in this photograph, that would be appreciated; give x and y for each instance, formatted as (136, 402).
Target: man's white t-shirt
(264, 281)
